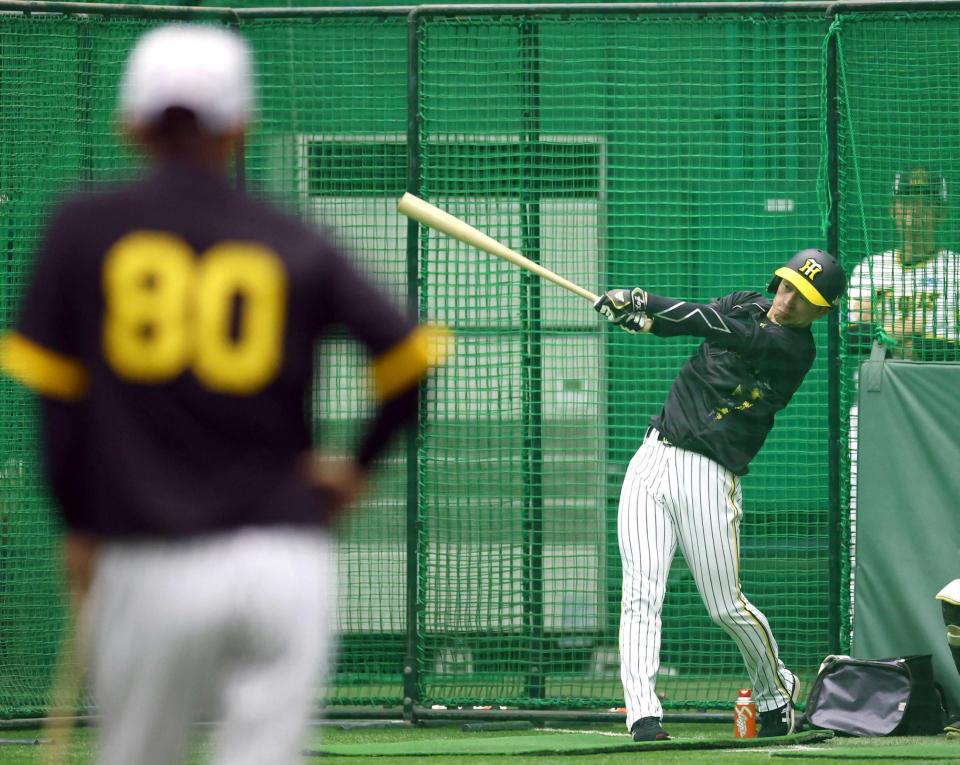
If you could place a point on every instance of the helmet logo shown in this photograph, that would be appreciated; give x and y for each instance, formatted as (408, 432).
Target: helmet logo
(811, 268)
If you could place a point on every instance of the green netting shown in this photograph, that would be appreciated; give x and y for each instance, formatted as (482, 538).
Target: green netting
(57, 88)
(676, 153)
(899, 114)
(330, 143)
(682, 153)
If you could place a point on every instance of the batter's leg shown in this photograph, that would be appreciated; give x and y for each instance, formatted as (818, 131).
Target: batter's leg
(708, 519)
(647, 545)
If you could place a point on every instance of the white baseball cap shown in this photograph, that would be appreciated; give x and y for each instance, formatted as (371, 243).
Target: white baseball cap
(204, 69)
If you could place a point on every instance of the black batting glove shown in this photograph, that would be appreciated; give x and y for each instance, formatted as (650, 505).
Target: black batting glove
(624, 308)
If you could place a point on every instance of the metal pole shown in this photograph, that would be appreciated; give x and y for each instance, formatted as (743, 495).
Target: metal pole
(84, 87)
(533, 9)
(411, 676)
(835, 524)
(531, 361)
(189, 12)
(29, 7)
(765, 8)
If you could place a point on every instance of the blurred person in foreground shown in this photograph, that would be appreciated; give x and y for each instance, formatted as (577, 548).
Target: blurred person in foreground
(169, 329)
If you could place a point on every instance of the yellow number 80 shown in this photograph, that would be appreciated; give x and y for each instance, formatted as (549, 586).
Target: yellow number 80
(221, 314)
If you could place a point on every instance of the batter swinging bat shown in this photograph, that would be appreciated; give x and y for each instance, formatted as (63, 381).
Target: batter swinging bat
(416, 208)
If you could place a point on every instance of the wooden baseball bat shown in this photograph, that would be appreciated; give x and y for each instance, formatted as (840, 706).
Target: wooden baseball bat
(416, 208)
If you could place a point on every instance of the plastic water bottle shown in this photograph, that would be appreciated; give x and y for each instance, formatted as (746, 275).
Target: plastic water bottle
(744, 715)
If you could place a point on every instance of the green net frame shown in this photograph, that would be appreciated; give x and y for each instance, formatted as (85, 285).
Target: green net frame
(690, 153)
(567, 139)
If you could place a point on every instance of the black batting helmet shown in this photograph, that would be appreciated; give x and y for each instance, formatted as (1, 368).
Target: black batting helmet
(921, 183)
(816, 274)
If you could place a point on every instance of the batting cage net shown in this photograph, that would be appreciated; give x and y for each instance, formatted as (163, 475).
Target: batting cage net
(690, 154)
(898, 231)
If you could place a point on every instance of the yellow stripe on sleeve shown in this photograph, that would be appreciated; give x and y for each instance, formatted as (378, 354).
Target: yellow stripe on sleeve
(42, 370)
(403, 365)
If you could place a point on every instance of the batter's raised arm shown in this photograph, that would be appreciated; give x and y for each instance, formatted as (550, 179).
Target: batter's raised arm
(804, 290)
(723, 322)
(728, 325)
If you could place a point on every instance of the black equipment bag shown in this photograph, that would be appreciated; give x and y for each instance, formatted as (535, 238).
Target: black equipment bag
(881, 697)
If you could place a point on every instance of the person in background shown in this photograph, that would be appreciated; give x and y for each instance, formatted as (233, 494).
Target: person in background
(911, 292)
(909, 295)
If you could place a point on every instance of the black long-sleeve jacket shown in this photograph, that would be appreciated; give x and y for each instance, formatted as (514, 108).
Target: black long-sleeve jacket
(723, 401)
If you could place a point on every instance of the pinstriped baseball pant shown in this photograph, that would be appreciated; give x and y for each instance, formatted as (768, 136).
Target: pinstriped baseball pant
(674, 497)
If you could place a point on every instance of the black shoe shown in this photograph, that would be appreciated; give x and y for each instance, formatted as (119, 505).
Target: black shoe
(782, 721)
(777, 722)
(953, 729)
(649, 729)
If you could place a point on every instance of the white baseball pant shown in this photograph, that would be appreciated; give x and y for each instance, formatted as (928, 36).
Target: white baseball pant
(672, 496)
(234, 627)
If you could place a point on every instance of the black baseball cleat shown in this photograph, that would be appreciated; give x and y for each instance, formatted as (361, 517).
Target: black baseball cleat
(649, 729)
(782, 721)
